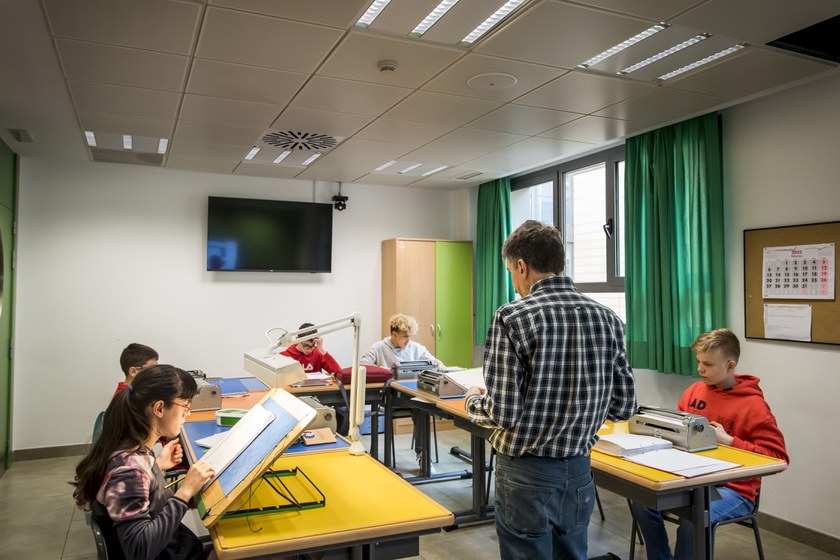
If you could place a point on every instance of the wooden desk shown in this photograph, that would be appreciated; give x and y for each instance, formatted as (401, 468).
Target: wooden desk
(687, 497)
(369, 512)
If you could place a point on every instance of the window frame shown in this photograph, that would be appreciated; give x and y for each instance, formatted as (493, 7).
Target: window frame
(555, 174)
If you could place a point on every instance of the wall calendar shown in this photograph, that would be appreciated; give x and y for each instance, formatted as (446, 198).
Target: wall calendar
(799, 272)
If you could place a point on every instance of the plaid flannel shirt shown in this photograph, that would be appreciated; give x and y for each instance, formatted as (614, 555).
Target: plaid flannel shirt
(555, 367)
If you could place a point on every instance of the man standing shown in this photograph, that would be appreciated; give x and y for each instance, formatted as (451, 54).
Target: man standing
(555, 368)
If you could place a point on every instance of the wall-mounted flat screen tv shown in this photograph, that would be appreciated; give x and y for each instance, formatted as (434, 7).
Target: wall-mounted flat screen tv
(268, 235)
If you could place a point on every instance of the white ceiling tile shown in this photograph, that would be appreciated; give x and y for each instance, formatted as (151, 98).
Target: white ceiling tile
(249, 83)
(203, 133)
(561, 35)
(356, 58)
(741, 75)
(111, 98)
(544, 149)
(123, 66)
(430, 153)
(345, 96)
(593, 129)
(386, 180)
(337, 13)
(157, 25)
(272, 171)
(405, 132)
(757, 21)
(519, 119)
(455, 79)
(193, 150)
(347, 175)
(426, 106)
(97, 121)
(662, 106)
(655, 10)
(320, 122)
(264, 41)
(206, 165)
(371, 152)
(481, 140)
(230, 112)
(579, 92)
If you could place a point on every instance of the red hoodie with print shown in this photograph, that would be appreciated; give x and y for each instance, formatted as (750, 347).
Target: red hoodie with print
(745, 415)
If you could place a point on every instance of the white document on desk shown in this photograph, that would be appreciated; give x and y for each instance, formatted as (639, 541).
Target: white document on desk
(682, 463)
(467, 378)
(237, 439)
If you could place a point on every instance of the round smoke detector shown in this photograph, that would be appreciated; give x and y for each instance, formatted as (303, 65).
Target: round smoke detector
(492, 81)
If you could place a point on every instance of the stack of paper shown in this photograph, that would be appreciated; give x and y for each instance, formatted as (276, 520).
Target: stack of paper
(682, 463)
(625, 445)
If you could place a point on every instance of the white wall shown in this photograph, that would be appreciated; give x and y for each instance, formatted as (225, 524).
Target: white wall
(113, 254)
(781, 168)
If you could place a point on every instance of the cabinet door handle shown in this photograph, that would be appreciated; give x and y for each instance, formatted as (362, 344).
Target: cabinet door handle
(438, 330)
(432, 329)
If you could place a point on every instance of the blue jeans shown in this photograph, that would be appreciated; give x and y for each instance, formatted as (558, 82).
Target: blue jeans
(731, 504)
(543, 507)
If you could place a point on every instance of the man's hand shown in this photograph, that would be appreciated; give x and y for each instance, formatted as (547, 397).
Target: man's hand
(473, 391)
(720, 434)
(171, 455)
(319, 344)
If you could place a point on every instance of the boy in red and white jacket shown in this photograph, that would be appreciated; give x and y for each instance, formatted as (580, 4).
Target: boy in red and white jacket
(311, 354)
(741, 418)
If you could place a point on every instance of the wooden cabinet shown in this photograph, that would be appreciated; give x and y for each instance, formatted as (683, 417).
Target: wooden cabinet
(432, 281)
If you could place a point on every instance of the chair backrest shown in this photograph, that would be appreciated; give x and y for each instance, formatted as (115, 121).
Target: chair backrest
(97, 427)
(99, 539)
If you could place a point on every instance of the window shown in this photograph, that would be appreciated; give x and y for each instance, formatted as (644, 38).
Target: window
(585, 199)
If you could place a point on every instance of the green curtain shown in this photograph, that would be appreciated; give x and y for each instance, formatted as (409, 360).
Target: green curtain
(492, 285)
(674, 282)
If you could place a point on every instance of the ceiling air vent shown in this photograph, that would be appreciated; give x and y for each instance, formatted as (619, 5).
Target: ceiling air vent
(468, 175)
(291, 140)
(21, 135)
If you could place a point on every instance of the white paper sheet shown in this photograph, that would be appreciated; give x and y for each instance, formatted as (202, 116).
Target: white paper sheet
(467, 378)
(210, 441)
(787, 322)
(237, 439)
(682, 463)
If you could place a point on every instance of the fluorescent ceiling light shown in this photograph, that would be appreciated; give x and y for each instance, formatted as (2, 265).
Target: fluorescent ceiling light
(410, 168)
(488, 23)
(91, 138)
(373, 10)
(282, 156)
(127, 141)
(702, 61)
(254, 151)
(162, 144)
(435, 170)
(667, 52)
(385, 166)
(433, 17)
(624, 45)
(311, 158)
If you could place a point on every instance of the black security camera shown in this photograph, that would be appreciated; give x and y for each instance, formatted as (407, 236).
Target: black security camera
(339, 202)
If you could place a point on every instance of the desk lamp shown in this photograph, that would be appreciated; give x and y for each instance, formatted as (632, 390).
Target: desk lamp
(357, 383)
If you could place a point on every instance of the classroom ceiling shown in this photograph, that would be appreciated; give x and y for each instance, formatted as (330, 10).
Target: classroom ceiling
(217, 78)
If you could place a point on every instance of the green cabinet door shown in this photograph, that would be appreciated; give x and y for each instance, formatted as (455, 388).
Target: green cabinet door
(453, 303)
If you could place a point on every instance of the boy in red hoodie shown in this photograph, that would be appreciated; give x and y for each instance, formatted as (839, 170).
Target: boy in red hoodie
(311, 354)
(741, 418)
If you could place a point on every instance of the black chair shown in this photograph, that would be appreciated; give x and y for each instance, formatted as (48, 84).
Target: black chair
(750, 520)
(99, 539)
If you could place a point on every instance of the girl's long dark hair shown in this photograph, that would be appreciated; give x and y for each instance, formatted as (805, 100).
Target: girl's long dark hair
(127, 422)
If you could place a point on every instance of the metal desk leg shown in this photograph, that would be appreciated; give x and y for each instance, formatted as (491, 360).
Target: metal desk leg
(374, 431)
(425, 437)
(479, 497)
(701, 502)
(389, 429)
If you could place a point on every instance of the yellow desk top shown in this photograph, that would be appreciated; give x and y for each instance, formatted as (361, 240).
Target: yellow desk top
(753, 464)
(363, 500)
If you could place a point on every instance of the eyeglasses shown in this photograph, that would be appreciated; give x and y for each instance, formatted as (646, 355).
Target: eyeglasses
(308, 344)
(187, 407)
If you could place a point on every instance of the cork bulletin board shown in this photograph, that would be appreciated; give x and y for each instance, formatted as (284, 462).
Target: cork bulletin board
(825, 309)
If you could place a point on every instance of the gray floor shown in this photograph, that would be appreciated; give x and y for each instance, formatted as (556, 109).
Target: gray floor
(38, 520)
